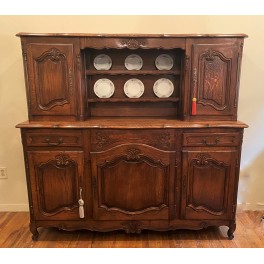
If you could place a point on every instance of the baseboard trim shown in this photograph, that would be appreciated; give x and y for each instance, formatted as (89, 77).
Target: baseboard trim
(14, 208)
(251, 207)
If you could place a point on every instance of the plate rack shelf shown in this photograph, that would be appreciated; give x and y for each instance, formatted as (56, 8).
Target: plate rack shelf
(148, 74)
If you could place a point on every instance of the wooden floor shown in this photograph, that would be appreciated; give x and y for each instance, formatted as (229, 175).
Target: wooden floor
(14, 233)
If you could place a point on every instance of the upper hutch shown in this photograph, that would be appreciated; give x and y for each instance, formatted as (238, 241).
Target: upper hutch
(132, 131)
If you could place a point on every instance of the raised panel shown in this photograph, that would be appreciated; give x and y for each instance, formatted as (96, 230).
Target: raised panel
(207, 184)
(55, 178)
(105, 139)
(51, 79)
(131, 182)
(214, 79)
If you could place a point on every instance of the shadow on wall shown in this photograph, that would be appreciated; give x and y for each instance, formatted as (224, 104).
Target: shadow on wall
(251, 185)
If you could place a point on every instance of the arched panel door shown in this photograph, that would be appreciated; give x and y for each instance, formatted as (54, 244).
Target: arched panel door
(207, 184)
(132, 181)
(214, 82)
(55, 178)
(50, 76)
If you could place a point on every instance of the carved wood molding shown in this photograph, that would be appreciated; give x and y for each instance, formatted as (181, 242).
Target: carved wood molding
(163, 140)
(204, 159)
(78, 58)
(102, 139)
(52, 54)
(132, 227)
(141, 211)
(209, 55)
(133, 43)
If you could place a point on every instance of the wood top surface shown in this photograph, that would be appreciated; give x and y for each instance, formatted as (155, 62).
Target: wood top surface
(131, 123)
(27, 34)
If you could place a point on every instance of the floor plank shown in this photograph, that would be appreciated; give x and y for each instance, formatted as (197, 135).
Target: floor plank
(14, 233)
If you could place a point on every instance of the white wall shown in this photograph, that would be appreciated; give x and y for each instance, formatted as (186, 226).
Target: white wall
(13, 195)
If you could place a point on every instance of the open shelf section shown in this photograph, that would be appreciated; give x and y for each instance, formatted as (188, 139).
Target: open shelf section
(127, 72)
(132, 100)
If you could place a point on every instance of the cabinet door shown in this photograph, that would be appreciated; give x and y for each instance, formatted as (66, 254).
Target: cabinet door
(55, 178)
(51, 79)
(215, 79)
(208, 184)
(131, 182)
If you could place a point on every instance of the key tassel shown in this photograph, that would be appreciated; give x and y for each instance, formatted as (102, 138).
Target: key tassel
(81, 209)
(194, 106)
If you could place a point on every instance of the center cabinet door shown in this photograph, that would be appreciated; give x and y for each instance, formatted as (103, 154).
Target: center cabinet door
(132, 182)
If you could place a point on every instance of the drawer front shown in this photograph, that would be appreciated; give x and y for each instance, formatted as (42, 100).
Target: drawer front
(53, 138)
(211, 139)
(103, 139)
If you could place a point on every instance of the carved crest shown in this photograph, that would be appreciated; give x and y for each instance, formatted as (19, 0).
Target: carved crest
(133, 154)
(53, 54)
(133, 43)
(202, 159)
(62, 160)
(209, 55)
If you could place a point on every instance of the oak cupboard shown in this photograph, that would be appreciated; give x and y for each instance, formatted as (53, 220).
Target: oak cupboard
(132, 132)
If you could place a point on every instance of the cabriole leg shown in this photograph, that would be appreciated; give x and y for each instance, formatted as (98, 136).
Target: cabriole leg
(34, 231)
(231, 230)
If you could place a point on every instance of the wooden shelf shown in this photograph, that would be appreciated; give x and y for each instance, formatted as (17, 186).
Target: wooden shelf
(132, 100)
(127, 72)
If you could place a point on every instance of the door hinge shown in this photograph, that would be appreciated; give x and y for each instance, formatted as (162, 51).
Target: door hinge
(234, 208)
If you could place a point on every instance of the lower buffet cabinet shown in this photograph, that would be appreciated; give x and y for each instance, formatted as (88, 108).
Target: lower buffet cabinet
(157, 179)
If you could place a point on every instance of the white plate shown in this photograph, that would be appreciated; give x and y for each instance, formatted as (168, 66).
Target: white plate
(102, 62)
(104, 88)
(163, 88)
(164, 62)
(134, 88)
(133, 62)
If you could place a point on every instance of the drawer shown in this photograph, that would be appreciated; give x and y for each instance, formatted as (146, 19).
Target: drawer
(211, 139)
(102, 139)
(53, 138)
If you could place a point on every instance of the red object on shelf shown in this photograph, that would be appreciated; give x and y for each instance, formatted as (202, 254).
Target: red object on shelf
(194, 106)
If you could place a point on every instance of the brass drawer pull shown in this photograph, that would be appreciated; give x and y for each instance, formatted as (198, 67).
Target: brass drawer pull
(211, 144)
(60, 141)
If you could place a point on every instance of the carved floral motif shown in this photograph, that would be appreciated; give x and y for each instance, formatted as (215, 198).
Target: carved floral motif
(62, 160)
(202, 159)
(102, 139)
(133, 43)
(209, 55)
(133, 154)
